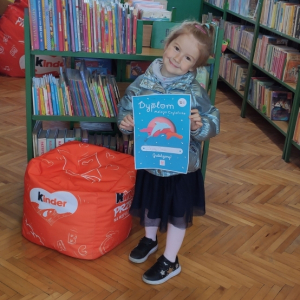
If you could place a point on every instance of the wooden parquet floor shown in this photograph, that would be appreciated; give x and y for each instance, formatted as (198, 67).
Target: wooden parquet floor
(247, 246)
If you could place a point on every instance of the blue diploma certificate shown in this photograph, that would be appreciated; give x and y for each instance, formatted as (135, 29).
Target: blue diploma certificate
(162, 132)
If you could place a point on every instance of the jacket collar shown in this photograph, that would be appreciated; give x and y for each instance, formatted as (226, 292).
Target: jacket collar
(151, 82)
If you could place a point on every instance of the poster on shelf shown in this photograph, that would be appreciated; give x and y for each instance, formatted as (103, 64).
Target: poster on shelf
(162, 132)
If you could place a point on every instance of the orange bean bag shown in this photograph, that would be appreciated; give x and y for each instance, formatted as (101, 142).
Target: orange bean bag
(77, 199)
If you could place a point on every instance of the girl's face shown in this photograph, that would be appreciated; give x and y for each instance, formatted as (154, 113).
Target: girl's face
(180, 56)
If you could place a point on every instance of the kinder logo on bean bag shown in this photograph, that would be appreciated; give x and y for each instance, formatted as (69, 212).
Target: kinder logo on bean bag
(52, 207)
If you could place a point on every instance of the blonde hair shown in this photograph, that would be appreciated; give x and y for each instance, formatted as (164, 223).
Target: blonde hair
(203, 33)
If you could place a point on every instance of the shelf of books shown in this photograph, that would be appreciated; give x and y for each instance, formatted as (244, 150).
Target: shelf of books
(262, 60)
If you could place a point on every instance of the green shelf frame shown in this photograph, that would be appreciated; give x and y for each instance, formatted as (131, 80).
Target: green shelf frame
(296, 90)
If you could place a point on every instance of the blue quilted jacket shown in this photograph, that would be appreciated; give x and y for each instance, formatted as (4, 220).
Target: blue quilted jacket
(148, 84)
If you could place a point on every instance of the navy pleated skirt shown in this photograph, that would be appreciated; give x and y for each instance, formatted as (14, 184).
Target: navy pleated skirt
(161, 200)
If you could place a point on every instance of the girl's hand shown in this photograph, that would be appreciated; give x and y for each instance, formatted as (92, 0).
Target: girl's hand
(127, 123)
(196, 121)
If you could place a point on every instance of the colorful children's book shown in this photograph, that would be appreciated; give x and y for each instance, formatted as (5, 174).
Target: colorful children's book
(162, 132)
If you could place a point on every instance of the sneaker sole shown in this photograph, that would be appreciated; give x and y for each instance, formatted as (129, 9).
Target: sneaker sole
(174, 273)
(141, 260)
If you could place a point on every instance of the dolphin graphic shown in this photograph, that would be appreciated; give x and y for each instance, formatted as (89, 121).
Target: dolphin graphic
(160, 128)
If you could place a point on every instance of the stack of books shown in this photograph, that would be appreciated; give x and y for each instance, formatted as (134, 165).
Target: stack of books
(283, 16)
(76, 93)
(280, 60)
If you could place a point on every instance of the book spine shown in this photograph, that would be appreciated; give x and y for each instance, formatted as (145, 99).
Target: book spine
(102, 25)
(116, 11)
(77, 98)
(120, 22)
(55, 112)
(110, 31)
(55, 26)
(128, 34)
(107, 45)
(68, 18)
(51, 12)
(76, 24)
(105, 103)
(75, 40)
(123, 30)
(34, 25)
(95, 27)
(86, 88)
(47, 23)
(80, 25)
(83, 99)
(71, 25)
(84, 21)
(40, 25)
(49, 95)
(108, 99)
(98, 27)
(131, 29)
(114, 38)
(65, 25)
(88, 20)
(60, 25)
(44, 23)
(134, 31)
(91, 25)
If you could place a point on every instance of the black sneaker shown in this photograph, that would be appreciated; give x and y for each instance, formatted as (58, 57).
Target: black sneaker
(141, 252)
(162, 271)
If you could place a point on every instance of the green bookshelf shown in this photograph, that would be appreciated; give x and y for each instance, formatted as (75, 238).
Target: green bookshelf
(286, 128)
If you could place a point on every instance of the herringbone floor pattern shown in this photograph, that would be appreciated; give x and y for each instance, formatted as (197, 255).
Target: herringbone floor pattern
(247, 246)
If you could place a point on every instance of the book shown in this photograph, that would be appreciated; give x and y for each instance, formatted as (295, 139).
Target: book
(50, 139)
(113, 143)
(60, 24)
(85, 76)
(69, 135)
(296, 135)
(106, 141)
(47, 25)
(33, 15)
(40, 25)
(77, 134)
(42, 148)
(98, 140)
(44, 23)
(291, 71)
(60, 138)
(85, 136)
(281, 103)
(162, 136)
(35, 132)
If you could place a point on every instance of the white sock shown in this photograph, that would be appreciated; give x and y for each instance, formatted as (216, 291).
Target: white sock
(150, 232)
(174, 241)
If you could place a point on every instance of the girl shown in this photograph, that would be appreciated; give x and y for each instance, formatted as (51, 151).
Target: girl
(164, 199)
